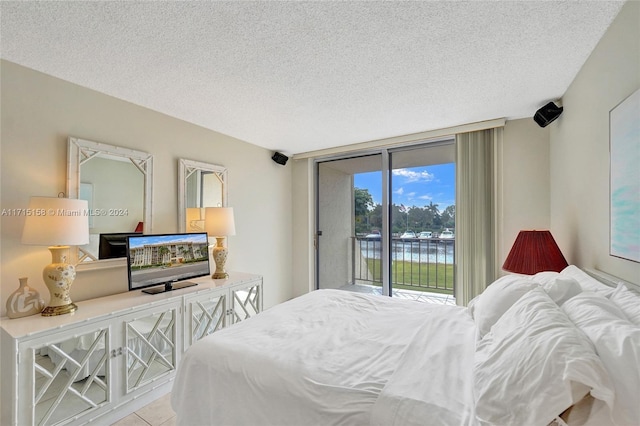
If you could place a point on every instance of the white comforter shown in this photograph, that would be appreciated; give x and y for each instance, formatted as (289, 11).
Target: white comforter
(332, 357)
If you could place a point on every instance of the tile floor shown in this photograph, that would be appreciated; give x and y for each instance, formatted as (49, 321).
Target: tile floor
(157, 413)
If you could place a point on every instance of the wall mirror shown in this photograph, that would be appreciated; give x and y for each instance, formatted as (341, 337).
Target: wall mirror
(200, 185)
(117, 184)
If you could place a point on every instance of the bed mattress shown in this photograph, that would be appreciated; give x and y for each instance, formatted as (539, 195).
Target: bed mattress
(331, 357)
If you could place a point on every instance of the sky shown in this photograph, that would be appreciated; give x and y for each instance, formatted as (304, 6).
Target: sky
(158, 239)
(415, 186)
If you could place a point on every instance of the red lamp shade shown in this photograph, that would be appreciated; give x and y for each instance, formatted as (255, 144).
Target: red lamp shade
(533, 252)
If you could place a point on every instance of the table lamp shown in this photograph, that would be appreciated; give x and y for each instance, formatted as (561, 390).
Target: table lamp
(195, 219)
(219, 223)
(57, 223)
(533, 252)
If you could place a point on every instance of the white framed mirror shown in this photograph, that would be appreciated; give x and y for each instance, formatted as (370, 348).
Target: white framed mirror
(200, 185)
(117, 184)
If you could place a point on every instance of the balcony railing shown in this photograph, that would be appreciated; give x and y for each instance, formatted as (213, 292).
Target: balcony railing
(416, 264)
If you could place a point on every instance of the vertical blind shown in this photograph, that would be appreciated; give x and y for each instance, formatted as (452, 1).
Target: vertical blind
(477, 168)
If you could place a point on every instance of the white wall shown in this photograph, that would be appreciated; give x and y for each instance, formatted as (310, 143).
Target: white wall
(525, 182)
(39, 112)
(580, 148)
(303, 227)
(336, 223)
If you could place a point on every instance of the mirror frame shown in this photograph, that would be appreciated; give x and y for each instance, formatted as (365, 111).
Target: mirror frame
(185, 169)
(80, 151)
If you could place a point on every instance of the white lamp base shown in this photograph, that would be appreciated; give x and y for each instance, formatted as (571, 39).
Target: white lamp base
(220, 257)
(58, 277)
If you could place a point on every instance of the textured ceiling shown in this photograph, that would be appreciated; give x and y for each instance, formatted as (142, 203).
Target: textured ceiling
(301, 76)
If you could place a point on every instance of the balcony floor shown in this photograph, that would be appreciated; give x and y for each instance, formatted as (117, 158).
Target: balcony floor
(419, 296)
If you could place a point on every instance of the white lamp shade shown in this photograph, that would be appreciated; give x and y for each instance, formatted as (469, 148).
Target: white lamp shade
(56, 221)
(219, 222)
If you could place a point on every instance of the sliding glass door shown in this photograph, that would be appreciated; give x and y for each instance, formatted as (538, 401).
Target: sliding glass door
(349, 223)
(386, 221)
(422, 219)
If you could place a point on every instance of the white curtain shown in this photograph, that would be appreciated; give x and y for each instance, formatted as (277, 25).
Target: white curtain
(477, 174)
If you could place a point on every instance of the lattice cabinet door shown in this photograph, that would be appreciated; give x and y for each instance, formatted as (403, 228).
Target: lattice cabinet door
(205, 314)
(65, 377)
(246, 301)
(150, 345)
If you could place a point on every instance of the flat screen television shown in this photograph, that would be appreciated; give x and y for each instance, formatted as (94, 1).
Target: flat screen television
(114, 245)
(166, 261)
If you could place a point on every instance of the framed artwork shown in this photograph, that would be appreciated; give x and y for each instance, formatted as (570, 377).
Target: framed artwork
(624, 139)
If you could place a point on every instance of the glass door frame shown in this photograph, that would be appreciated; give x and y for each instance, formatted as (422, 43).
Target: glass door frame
(385, 153)
(386, 232)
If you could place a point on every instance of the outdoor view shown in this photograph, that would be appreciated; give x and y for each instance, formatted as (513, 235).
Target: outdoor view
(161, 259)
(422, 227)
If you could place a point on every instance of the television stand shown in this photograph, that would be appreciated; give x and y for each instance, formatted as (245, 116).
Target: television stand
(170, 286)
(112, 340)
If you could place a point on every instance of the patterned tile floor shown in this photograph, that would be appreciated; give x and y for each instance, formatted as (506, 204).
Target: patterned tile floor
(157, 413)
(420, 296)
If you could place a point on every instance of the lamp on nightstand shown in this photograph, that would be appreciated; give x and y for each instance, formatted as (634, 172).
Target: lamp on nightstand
(57, 223)
(533, 252)
(219, 223)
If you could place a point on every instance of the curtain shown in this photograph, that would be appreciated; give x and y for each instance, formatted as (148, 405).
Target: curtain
(477, 175)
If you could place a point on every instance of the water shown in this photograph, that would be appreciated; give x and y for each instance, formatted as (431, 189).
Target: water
(423, 251)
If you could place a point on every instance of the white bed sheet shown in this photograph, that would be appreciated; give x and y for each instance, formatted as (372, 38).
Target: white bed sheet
(324, 359)
(433, 382)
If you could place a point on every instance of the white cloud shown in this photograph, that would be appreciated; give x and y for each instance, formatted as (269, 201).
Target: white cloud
(400, 191)
(413, 176)
(426, 197)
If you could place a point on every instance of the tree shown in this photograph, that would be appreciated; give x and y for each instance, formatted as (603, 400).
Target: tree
(449, 217)
(184, 252)
(375, 217)
(419, 219)
(163, 252)
(433, 210)
(368, 216)
(363, 203)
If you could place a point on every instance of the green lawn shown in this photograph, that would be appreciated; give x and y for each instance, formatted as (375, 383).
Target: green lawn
(433, 277)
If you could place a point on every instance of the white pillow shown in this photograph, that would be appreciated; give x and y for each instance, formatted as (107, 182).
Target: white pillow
(559, 287)
(562, 289)
(534, 364)
(545, 277)
(494, 301)
(586, 281)
(617, 342)
(628, 301)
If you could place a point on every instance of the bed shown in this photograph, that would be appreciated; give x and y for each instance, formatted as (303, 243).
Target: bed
(555, 348)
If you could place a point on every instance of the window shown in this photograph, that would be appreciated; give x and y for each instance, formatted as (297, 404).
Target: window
(386, 221)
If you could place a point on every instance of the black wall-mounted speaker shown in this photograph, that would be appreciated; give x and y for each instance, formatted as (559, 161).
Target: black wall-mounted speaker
(280, 158)
(547, 114)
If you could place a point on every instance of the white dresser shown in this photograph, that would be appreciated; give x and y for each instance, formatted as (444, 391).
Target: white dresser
(113, 355)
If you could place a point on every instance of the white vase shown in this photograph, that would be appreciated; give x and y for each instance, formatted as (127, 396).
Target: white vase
(24, 301)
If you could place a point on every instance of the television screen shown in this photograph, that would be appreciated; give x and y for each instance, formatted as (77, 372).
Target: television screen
(114, 245)
(167, 260)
